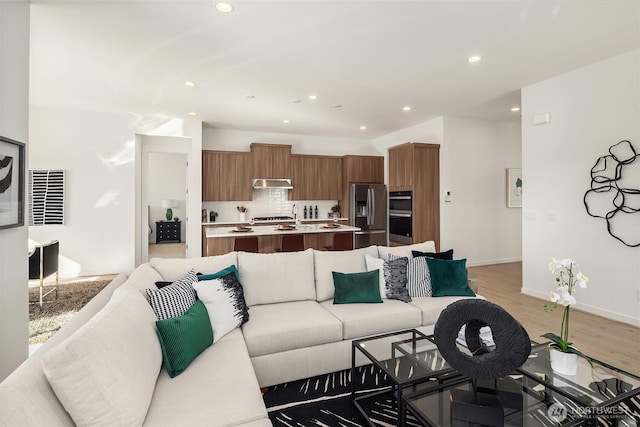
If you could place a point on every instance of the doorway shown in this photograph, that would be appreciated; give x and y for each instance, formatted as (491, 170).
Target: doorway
(166, 194)
(162, 181)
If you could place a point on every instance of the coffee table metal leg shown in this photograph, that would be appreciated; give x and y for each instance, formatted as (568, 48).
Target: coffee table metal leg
(400, 406)
(353, 372)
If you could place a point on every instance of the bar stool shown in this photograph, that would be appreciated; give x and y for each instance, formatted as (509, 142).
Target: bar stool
(341, 242)
(246, 244)
(292, 243)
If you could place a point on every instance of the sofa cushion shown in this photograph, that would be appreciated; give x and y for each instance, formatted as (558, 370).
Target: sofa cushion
(224, 300)
(395, 279)
(449, 278)
(105, 373)
(437, 255)
(384, 251)
(350, 288)
(183, 338)
(341, 261)
(359, 320)
(143, 277)
(172, 269)
(290, 325)
(278, 277)
(219, 389)
(173, 300)
(431, 307)
(418, 277)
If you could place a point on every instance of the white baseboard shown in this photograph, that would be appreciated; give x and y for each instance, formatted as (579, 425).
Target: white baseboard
(492, 261)
(588, 308)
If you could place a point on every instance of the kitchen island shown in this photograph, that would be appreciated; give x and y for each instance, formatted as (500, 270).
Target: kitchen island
(220, 240)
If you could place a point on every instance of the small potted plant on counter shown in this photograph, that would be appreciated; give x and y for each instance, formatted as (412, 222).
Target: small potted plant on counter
(335, 210)
(212, 216)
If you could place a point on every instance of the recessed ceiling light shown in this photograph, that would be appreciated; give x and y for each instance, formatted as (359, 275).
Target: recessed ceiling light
(406, 108)
(192, 113)
(474, 59)
(515, 109)
(249, 96)
(224, 7)
(297, 101)
(285, 121)
(337, 106)
(313, 97)
(363, 128)
(190, 84)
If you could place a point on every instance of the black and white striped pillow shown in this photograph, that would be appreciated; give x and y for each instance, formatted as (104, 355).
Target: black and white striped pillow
(174, 300)
(418, 277)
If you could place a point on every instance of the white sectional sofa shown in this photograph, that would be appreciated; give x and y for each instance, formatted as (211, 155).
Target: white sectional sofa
(104, 366)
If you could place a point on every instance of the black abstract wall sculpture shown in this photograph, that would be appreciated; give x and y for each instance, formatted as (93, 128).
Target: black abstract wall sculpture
(615, 192)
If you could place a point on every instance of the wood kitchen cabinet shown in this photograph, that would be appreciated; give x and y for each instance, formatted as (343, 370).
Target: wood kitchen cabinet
(316, 177)
(358, 170)
(415, 167)
(226, 176)
(363, 169)
(271, 161)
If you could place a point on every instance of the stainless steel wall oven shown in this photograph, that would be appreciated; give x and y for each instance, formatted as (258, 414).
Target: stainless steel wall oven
(401, 217)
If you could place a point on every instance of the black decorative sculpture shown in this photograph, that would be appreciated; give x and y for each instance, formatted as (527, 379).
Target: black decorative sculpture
(611, 196)
(512, 341)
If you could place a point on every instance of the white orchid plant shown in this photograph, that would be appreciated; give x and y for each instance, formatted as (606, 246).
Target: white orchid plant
(567, 279)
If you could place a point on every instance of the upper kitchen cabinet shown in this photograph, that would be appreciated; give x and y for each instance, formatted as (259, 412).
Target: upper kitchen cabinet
(363, 169)
(316, 177)
(401, 167)
(226, 176)
(271, 161)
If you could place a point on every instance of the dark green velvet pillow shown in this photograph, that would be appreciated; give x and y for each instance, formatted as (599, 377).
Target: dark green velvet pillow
(183, 338)
(356, 287)
(449, 278)
(219, 274)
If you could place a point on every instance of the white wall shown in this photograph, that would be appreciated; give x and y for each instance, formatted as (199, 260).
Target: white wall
(238, 140)
(97, 149)
(591, 109)
(477, 222)
(14, 115)
(167, 179)
(474, 155)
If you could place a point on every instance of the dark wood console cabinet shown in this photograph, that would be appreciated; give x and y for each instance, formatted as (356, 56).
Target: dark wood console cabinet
(168, 231)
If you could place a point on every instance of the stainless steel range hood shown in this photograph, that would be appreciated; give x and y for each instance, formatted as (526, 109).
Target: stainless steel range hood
(262, 184)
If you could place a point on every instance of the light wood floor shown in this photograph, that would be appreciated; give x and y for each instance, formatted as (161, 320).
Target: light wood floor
(167, 250)
(615, 343)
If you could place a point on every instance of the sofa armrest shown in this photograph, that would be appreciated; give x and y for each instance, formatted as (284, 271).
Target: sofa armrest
(473, 283)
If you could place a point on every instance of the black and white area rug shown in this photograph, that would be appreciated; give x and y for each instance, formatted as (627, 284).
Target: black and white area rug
(325, 401)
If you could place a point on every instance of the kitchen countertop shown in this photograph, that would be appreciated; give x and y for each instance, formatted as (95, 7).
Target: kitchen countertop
(270, 230)
(274, 221)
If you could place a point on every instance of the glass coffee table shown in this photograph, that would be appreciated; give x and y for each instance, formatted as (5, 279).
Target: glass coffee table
(408, 358)
(534, 395)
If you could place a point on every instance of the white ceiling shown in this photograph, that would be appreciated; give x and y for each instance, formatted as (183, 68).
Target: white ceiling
(371, 57)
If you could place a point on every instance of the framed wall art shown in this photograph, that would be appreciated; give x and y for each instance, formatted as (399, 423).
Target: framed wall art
(11, 183)
(514, 188)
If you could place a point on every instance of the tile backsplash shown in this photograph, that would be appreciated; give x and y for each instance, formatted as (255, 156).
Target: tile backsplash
(268, 202)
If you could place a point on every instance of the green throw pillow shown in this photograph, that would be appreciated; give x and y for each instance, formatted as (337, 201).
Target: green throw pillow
(219, 274)
(356, 287)
(449, 278)
(183, 338)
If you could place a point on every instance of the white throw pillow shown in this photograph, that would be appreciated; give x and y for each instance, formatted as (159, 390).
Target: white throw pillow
(224, 300)
(374, 263)
(105, 372)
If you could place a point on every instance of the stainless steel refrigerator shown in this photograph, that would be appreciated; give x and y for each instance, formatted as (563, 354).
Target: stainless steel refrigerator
(368, 210)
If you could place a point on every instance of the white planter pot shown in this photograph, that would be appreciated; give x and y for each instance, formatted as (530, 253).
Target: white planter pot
(243, 216)
(563, 363)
